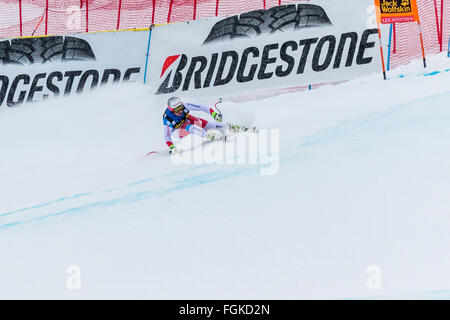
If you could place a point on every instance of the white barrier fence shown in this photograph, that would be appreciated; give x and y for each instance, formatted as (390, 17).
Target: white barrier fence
(285, 46)
(34, 69)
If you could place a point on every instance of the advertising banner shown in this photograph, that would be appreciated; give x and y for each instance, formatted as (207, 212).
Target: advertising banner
(397, 11)
(284, 46)
(33, 69)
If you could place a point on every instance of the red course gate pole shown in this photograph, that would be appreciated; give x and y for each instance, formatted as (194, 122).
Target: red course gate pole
(118, 14)
(381, 52)
(46, 17)
(217, 8)
(195, 9)
(170, 11)
(153, 12)
(442, 23)
(421, 44)
(264, 4)
(87, 15)
(20, 17)
(437, 24)
(395, 39)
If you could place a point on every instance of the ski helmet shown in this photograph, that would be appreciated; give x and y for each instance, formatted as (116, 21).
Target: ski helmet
(175, 104)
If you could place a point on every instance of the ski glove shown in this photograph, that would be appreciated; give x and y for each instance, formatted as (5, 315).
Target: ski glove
(217, 116)
(172, 150)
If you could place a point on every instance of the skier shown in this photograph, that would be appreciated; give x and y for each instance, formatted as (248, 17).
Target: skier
(177, 118)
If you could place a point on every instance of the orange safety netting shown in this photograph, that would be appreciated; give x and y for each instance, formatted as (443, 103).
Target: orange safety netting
(434, 18)
(42, 17)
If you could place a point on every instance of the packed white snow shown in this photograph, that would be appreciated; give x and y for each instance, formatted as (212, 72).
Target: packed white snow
(360, 206)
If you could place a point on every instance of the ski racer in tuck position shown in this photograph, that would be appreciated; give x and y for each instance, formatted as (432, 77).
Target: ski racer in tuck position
(177, 119)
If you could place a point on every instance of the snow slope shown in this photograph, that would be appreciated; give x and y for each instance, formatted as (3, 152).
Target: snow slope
(363, 180)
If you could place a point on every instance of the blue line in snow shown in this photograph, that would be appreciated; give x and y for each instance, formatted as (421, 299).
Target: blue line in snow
(332, 132)
(83, 195)
(142, 195)
(433, 73)
(208, 177)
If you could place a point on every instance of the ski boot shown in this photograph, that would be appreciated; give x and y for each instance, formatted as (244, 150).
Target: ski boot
(211, 136)
(234, 128)
(247, 129)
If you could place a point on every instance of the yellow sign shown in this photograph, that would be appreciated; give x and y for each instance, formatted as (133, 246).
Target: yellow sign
(396, 11)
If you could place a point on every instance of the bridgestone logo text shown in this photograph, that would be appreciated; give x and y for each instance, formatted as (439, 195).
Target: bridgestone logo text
(253, 63)
(26, 88)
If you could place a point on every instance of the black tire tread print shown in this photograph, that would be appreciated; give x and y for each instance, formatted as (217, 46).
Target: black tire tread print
(44, 50)
(276, 19)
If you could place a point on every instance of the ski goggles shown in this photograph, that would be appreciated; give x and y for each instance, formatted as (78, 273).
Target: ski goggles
(178, 109)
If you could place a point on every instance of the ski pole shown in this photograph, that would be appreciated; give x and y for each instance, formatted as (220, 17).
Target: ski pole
(215, 105)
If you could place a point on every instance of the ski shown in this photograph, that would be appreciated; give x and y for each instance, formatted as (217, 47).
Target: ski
(220, 138)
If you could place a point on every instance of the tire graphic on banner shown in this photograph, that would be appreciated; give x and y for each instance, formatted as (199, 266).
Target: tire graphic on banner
(43, 50)
(276, 19)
